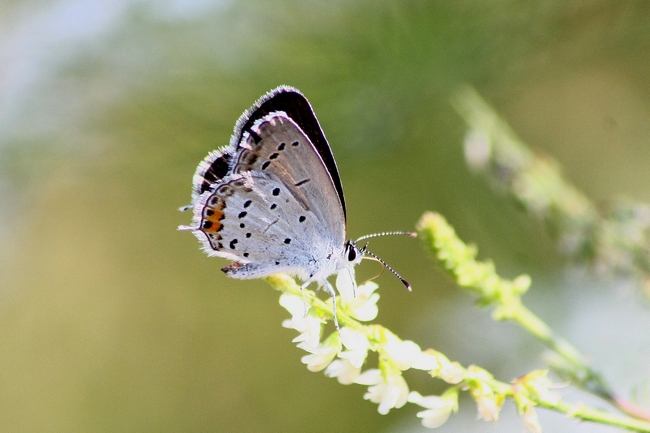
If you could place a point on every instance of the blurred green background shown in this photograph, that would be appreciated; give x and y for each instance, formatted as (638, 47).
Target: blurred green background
(112, 321)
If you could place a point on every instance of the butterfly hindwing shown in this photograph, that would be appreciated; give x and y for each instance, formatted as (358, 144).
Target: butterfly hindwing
(255, 220)
(211, 170)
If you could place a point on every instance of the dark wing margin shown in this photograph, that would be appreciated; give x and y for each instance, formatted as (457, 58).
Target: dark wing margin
(211, 170)
(294, 103)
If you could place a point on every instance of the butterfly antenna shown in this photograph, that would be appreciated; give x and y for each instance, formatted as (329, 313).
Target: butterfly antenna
(406, 283)
(376, 235)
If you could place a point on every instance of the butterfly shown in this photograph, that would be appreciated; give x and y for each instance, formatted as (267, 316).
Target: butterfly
(272, 200)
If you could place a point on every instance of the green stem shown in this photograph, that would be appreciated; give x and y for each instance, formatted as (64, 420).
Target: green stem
(582, 373)
(460, 261)
(536, 326)
(597, 416)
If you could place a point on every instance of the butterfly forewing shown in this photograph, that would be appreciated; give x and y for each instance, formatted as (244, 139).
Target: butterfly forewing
(277, 147)
(296, 107)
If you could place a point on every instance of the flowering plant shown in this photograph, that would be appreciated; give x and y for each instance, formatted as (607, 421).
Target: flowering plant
(615, 242)
(343, 354)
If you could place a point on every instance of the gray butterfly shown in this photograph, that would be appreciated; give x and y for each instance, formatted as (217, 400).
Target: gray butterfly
(272, 200)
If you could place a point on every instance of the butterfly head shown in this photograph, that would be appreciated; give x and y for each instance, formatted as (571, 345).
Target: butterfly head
(354, 254)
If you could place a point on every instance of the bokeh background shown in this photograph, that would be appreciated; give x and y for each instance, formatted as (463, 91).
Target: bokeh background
(112, 321)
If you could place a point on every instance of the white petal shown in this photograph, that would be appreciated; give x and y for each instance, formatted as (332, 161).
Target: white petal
(317, 362)
(293, 304)
(320, 357)
(368, 310)
(391, 394)
(311, 332)
(415, 397)
(344, 372)
(425, 361)
(399, 383)
(345, 284)
(369, 377)
(403, 353)
(434, 418)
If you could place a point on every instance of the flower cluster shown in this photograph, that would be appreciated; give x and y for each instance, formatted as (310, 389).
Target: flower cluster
(342, 354)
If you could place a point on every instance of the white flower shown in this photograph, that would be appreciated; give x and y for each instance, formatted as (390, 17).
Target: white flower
(296, 306)
(357, 345)
(311, 335)
(406, 354)
(389, 393)
(438, 409)
(531, 421)
(426, 361)
(348, 368)
(451, 372)
(489, 406)
(403, 354)
(308, 326)
(488, 401)
(361, 301)
(321, 355)
(319, 358)
(343, 370)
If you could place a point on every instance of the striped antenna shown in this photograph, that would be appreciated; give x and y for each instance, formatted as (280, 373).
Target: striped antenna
(376, 258)
(376, 235)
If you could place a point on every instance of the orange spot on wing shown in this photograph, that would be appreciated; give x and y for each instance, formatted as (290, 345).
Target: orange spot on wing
(212, 219)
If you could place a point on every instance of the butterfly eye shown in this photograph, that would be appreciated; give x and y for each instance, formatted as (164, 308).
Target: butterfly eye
(352, 253)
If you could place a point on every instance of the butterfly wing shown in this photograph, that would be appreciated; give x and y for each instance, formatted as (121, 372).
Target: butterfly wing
(277, 146)
(211, 170)
(284, 99)
(256, 221)
(278, 206)
(296, 107)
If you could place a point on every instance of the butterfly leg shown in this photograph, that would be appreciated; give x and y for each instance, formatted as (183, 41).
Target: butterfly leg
(302, 293)
(325, 285)
(330, 291)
